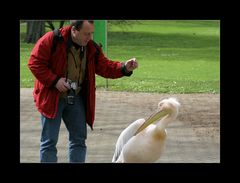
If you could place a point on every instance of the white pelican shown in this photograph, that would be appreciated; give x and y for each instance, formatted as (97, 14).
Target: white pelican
(142, 141)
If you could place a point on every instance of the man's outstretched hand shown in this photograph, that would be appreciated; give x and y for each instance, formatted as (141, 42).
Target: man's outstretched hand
(131, 64)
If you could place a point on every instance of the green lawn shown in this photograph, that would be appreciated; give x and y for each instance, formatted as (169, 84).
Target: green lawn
(173, 56)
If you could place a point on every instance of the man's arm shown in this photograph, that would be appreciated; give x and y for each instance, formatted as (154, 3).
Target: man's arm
(39, 61)
(114, 69)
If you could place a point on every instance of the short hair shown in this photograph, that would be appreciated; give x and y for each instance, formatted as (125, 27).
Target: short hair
(79, 23)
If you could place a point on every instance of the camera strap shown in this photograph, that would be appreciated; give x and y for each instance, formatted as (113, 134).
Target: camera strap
(69, 44)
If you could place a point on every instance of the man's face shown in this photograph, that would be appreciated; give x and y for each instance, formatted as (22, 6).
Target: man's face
(83, 35)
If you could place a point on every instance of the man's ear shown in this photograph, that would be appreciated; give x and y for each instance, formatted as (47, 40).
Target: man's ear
(73, 30)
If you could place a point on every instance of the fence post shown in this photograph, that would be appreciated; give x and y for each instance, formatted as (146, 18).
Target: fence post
(100, 36)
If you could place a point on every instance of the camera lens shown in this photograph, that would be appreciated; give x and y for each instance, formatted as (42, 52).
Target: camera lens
(70, 100)
(70, 97)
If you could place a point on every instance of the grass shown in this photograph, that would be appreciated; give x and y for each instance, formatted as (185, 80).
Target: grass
(173, 56)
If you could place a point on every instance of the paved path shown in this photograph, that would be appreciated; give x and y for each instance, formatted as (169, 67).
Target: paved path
(193, 138)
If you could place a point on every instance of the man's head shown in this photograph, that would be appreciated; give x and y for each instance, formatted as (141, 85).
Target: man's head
(82, 31)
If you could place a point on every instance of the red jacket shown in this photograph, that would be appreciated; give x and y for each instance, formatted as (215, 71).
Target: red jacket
(47, 68)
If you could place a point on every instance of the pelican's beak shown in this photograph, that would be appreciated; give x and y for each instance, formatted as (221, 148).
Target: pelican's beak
(154, 117)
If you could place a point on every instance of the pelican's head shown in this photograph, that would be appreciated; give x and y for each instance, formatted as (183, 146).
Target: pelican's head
(169, 106)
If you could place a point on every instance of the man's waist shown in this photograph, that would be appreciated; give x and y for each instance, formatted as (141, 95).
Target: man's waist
(77, 92)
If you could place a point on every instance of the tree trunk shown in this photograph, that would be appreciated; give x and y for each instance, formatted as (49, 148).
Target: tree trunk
(61, 24)
(35, 30)
(51, 25)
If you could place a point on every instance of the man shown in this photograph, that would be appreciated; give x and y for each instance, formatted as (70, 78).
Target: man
(65, 85)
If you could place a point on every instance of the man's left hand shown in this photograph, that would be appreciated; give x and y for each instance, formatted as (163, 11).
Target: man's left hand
(131, 64)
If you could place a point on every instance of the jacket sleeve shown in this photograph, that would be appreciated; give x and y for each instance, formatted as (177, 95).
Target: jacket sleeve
(110, 69)
(39, 61)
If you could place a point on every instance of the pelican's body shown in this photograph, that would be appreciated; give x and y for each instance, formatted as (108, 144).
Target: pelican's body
(142, 141)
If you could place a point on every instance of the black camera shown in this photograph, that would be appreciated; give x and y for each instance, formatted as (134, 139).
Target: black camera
(71, 93)
(70, 97)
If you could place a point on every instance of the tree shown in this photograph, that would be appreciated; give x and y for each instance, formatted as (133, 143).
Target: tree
(35, 30)
(51, 25)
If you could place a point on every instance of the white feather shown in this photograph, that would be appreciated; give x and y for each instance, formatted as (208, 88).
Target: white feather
(125, 136)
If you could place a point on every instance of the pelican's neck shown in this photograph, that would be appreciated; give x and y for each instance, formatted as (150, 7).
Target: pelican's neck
(163, 123)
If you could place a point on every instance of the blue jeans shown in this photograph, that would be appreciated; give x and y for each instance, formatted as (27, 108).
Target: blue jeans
(75, 121)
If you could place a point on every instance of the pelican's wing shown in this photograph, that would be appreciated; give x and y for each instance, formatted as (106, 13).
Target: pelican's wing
(124, 137)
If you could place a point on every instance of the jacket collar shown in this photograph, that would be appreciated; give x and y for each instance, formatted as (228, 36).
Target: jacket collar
(66, 33)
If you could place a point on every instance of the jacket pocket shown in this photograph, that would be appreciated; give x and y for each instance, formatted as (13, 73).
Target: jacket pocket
(37, 91)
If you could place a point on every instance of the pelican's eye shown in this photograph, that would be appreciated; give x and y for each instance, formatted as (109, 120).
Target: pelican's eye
(160, 105)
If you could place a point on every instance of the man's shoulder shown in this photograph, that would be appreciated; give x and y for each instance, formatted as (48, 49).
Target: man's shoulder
(64, 31)
(94, 45)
